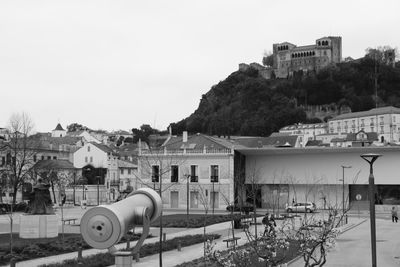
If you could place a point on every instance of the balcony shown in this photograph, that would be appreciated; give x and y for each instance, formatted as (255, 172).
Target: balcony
(214, 178)
(194, 179)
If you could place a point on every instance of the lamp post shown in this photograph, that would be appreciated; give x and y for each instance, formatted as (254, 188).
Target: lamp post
(370, 158)
(98, 190)
(343, 167)
(187, 199)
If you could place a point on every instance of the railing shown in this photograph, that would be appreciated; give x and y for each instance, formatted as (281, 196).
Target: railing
(188, 151)
(194, 179)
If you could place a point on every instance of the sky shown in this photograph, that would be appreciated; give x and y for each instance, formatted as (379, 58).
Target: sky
(120, 64)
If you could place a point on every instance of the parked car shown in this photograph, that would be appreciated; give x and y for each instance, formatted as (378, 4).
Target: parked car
(243, 208)
(301, 207)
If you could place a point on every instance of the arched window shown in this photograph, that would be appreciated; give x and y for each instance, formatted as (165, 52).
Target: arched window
(319, 43)
(313, 53)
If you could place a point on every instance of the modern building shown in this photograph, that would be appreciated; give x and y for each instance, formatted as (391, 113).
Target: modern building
(385, 121)
(284, 175)
(289, 58)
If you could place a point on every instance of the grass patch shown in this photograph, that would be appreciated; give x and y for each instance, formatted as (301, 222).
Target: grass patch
(105, 259)
(26, 249)
(195, 220)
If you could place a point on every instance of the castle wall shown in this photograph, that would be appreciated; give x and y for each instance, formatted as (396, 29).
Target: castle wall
(289, 58)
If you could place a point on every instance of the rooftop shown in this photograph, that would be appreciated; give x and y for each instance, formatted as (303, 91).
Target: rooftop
(372, 112)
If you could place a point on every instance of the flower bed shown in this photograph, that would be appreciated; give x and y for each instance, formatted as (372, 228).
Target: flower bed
(26, 249)
(105, 259)
(195, 220)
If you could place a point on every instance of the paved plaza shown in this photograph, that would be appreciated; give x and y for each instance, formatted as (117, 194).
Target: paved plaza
(352, 249)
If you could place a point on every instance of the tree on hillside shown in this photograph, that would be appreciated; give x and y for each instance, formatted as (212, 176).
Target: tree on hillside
(75, 127)
(268, 59)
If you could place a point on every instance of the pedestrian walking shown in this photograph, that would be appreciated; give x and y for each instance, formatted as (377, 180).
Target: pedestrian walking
(394, 214)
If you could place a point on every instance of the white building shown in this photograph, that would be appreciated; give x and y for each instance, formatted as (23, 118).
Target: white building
(58, 131)
(87, 137)
(193, 171)
(384, 121)
(306, 131)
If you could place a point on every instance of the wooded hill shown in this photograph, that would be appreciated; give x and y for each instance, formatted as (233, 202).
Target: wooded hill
(247, 104)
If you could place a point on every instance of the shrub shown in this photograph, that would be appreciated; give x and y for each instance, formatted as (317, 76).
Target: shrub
(105, 259)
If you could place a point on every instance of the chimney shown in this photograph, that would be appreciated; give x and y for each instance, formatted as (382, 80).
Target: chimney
(184, 136)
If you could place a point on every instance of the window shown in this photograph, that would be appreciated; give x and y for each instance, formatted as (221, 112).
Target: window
(122, 171)
(155, 173)
(382, 130)
(48, 157)
(88, 149)
(42, 157)
(34, 159)
(86, 159)
(194, 178)
(91, 159)
(129, 171)
(174, 173)
(214, 173)
(394, 119)
(372, 129)
(3, 160)
(54, 157)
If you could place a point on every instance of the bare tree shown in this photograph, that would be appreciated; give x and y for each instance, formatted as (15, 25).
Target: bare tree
(155, 164)
(20, 151)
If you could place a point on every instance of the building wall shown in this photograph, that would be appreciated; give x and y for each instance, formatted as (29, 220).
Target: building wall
(90, 154)
(204, 186)
(386, 125)
(318, 171)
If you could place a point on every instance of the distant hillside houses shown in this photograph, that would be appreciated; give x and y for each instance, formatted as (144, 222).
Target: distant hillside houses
(378, 126)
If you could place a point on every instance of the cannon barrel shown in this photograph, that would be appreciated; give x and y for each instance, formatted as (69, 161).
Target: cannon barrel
(103, 226)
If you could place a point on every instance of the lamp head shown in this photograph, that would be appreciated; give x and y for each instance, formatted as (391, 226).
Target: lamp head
(370, 157)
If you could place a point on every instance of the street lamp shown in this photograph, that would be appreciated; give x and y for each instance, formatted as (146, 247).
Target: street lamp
(187, 199)
(98, 190)
(343, 167)
(370, 158)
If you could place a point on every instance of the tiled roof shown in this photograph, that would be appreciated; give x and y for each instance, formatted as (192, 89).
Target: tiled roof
(275, 141)
(371, 136)
(126, 164)
(59, 128)
(372, 112)
(56, 164)
(305, 126)
(103, 147)
(197, 141)
(314, 143)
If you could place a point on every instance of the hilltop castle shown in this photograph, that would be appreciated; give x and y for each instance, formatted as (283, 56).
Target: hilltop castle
(289, 58)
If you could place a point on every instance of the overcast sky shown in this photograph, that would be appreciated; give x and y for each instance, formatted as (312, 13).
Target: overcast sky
(120, 64)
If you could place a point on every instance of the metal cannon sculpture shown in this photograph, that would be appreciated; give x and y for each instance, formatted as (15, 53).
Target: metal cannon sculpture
(103, 226)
